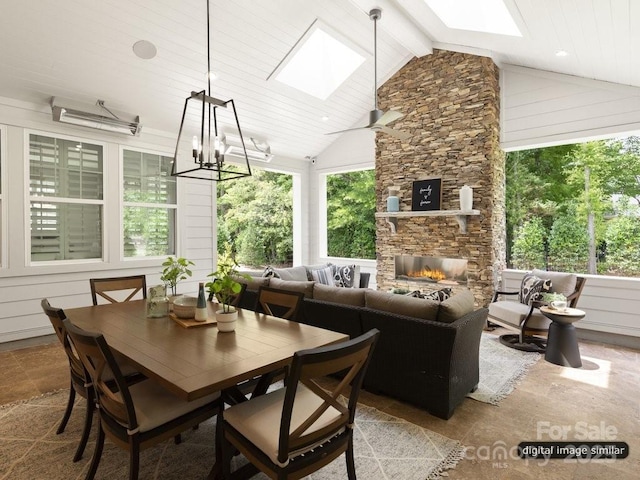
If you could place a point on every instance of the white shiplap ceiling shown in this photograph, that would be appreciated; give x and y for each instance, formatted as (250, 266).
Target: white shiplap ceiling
(82, 50)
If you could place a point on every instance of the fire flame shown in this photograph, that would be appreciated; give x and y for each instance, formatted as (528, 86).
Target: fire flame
(428, 273)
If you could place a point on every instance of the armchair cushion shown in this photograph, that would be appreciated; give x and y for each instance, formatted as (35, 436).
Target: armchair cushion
(532, 288)
(513, 313)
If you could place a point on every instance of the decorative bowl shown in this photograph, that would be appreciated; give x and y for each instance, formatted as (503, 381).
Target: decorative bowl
(185, 306)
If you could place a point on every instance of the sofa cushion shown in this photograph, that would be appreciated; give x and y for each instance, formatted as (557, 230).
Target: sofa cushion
(323, 276)
(564, 283)
(346, 275)
(305, 287)
(253, 283)
(455, 307)
(343, 296)
(411, 307)
(533, 288)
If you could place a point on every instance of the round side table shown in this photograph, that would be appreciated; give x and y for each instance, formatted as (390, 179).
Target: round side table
(562, 343)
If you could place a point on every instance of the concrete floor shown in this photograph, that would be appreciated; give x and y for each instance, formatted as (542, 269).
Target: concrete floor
(601, 398)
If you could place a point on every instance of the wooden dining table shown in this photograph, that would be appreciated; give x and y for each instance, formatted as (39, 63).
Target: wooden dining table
(194, 362)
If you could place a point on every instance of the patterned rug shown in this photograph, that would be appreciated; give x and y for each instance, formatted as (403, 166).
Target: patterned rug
(501, 369)
(386, 447)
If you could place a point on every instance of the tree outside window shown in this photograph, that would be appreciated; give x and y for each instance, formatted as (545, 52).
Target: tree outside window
(150, 204)
(575, 208)
(351, 207)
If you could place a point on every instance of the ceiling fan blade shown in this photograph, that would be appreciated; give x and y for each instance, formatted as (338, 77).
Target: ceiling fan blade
(388, 117)
(394, 133)
(347, 130)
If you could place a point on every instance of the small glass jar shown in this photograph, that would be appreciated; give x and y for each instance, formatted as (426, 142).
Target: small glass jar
(157, 302)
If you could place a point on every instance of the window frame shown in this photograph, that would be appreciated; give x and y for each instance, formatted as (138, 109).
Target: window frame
(29, 199)
(123, 204)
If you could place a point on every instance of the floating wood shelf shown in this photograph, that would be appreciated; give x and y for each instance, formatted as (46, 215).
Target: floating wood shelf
(461, 217)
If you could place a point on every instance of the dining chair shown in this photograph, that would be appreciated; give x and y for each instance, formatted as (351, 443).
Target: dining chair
(78, 380)
(279, 303)
(134, 417)
(294, 431)
(100, 287)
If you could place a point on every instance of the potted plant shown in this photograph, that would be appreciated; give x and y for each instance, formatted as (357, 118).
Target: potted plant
(175, 270)
(225, 287)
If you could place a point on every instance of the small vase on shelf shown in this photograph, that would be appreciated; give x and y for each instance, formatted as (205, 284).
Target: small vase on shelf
(393, 201)
(466, 198)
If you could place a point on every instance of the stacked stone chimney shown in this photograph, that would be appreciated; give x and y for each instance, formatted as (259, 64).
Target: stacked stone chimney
(451, 103)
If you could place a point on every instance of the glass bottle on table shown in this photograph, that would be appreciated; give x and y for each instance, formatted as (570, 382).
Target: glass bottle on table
(201, 306)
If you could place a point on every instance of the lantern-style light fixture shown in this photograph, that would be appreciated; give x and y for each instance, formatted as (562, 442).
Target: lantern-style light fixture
(200, 146)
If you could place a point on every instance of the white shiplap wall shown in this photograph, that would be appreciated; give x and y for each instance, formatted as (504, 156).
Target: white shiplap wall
(543, 108)
(22, 286)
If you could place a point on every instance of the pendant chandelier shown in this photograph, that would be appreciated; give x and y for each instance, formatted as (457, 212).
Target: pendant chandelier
(200, 148)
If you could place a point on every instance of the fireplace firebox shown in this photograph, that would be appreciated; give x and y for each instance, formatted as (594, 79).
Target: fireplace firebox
(450, 271)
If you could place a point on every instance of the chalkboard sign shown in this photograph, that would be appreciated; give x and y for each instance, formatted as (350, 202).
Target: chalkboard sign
(427, 195)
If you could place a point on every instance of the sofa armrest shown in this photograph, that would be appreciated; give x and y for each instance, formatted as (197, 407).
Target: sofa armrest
(364, 280)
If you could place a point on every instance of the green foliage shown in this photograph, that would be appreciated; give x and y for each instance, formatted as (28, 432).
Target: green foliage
(175, 270)
(569, 190)
(568, 244)
(224, 284)
(529, 245)
(623, 247)
(351, 206)
(255, 218)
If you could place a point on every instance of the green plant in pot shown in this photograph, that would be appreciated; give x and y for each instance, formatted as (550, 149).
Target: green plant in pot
(175, 269)
(225, 286)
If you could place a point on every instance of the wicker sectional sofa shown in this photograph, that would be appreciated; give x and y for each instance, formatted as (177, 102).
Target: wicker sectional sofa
(427, 353)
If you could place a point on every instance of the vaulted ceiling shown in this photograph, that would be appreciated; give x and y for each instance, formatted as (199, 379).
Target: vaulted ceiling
(82, 50)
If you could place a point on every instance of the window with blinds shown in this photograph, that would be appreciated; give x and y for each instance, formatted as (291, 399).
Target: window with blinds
(149, 205)
(66, 199)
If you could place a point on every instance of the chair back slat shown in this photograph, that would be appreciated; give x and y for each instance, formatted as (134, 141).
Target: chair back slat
(279, 303)
(112, 391)
(56, 317)
(307, 367)
(100, 287)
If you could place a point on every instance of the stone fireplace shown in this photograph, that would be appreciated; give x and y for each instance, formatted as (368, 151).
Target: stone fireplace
(451, 106)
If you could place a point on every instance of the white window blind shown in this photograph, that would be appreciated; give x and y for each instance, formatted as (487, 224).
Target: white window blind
(150, 204)
(66, 199)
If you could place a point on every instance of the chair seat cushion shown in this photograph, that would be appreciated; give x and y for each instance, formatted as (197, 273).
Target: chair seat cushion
(155, 405)
(513, 313)
(258, 420)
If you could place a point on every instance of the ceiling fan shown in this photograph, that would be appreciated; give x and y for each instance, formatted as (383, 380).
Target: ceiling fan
(378, 120)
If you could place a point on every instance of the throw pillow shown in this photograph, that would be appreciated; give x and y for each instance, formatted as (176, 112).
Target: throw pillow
(323, 276)
(439, 295)
(346, 275)
(414, 294)
(270, 272)
(532, 288)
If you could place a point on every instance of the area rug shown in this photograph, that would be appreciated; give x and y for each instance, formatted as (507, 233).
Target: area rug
(501, 369)
(386, 447)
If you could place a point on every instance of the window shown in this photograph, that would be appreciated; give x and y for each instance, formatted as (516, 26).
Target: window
(66, 199)
(149, 210)
(351, 206)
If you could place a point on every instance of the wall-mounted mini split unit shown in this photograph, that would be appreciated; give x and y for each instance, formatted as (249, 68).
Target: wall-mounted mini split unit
(95, 120)
(257, 151)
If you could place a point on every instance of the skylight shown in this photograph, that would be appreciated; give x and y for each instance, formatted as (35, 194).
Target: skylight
(490, 16)
(319, 63)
